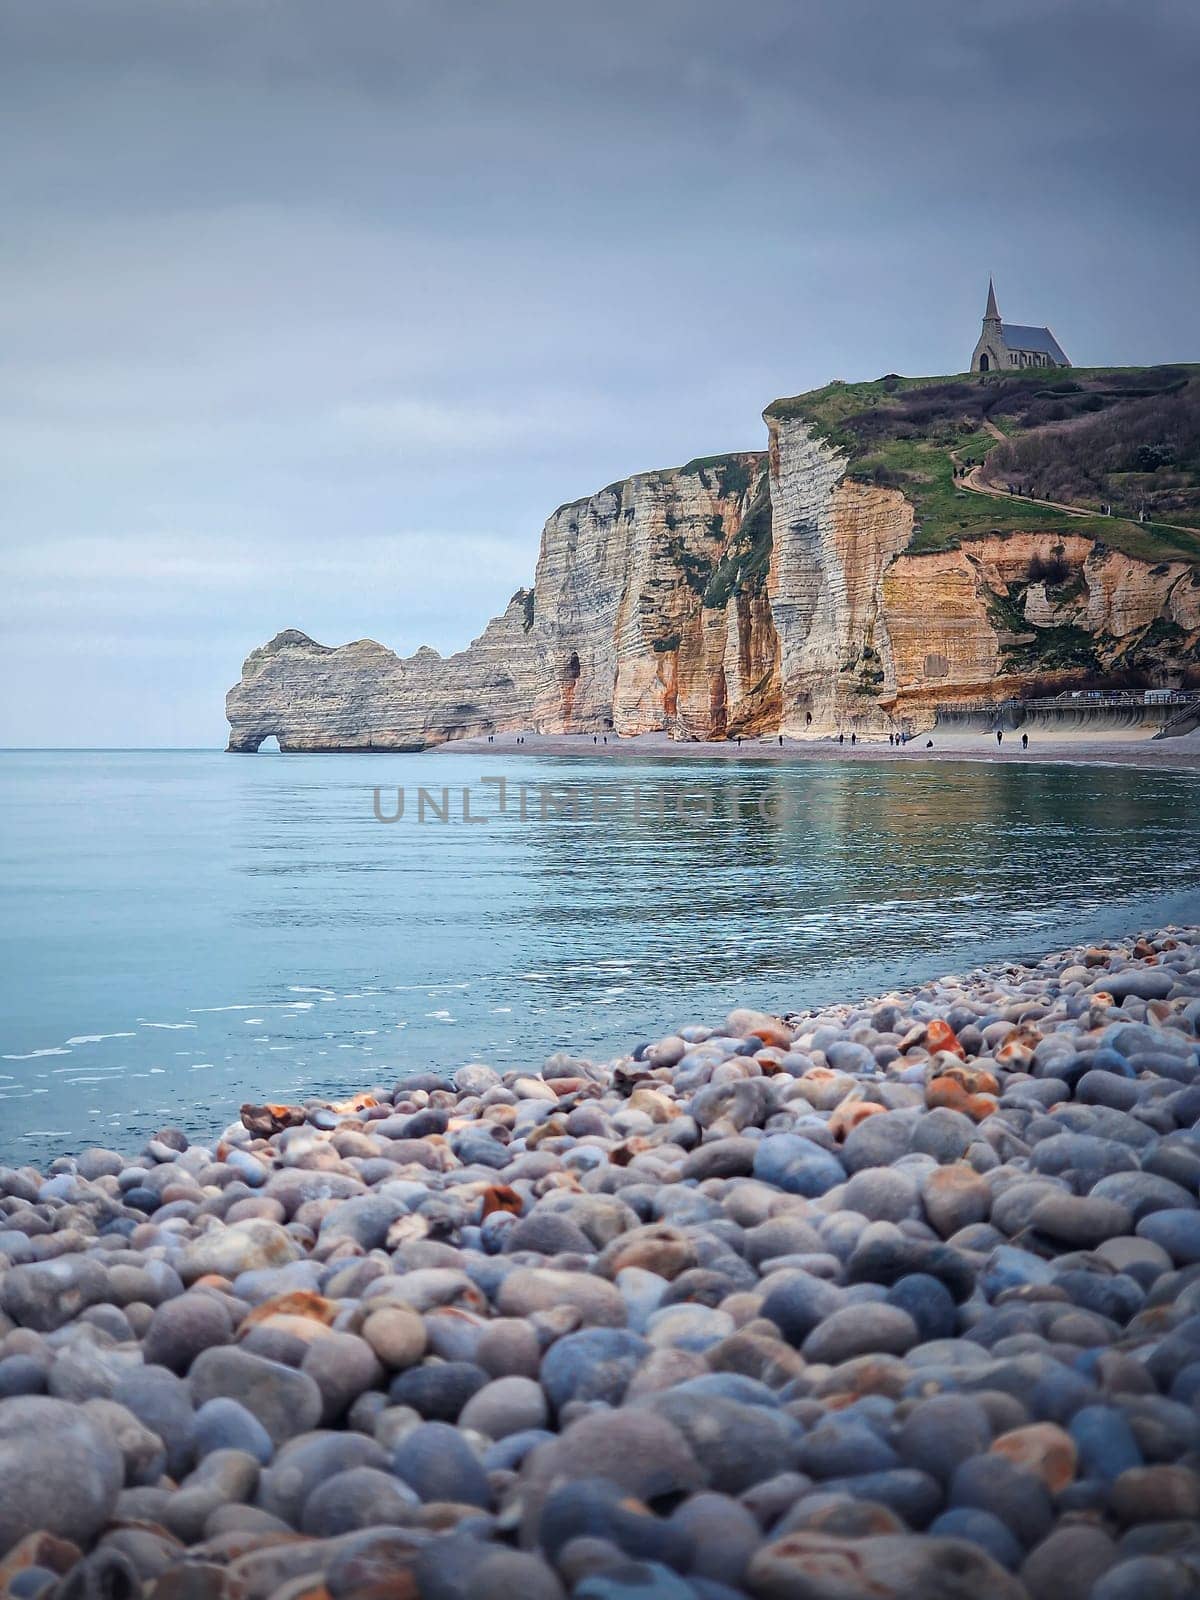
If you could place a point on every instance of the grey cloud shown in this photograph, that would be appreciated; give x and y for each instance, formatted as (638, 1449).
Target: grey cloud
(346, 287)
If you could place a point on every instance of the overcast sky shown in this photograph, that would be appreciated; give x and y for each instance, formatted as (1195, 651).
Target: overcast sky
(310, 313)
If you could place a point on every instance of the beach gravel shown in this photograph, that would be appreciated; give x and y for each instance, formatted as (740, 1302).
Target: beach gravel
(892, 1298)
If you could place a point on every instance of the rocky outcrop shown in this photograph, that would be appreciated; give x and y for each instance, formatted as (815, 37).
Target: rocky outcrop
(983, 621)
(746, 594)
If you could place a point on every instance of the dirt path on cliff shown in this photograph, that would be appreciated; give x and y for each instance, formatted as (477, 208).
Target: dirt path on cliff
(972, 479)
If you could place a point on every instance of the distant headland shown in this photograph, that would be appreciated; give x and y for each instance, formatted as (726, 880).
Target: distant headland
(1020, 530)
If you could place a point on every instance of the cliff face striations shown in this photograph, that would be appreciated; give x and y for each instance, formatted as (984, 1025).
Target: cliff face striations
(648, 612)
(853, 576)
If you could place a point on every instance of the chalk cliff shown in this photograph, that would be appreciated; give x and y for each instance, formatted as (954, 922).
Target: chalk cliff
(648, 612)
(844, 579)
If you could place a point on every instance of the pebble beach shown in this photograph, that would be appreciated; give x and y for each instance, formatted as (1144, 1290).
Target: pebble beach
(895, 1299)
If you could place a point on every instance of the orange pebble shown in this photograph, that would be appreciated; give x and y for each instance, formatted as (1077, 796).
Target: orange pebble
(939, 1035)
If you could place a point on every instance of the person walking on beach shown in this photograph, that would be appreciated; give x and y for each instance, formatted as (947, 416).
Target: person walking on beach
(781, 741)
(1024, 741)
(853, 738)
(841, 738)
(999, 736)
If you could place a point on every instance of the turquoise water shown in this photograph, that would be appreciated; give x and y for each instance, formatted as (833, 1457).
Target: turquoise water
(186, 930)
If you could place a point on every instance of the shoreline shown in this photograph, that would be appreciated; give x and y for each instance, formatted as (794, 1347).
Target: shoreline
(904, 1286)
(1182, 753)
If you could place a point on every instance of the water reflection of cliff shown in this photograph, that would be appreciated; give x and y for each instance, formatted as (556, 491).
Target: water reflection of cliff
(771, 872)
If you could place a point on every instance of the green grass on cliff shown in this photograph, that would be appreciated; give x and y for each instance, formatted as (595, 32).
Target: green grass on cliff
(908, 434)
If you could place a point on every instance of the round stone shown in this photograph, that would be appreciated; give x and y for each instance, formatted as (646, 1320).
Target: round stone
(362, 1497)
(1020, 1500)
(883, 1194)
(61, 1473)
(531, 1289)
(928, 1302)
(798, 1302)
(48, 1294)
(248, 1246)
(285, 1401)
(438, 1389)
(1080, 1222)
(223, 1424)
(342, 1366)
(509, 1347)
(396, 1335)
(955, 1196)
(942, 1432)
(1156, 1494)
(1105, 1442)
(1177, 1231)
(1043, 1449)
(163, 1402)
(1067, 1563)
(505, 1406)
(981, 1528)
(797, 1165)
(437, 1464)
(724, 1535)
(182, 1328)
(594, 1364)
(861, 1330)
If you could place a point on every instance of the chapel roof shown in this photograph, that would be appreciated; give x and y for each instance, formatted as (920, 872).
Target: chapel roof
(1017, 336)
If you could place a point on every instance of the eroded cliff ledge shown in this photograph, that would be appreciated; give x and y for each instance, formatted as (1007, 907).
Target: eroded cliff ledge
(846, 578)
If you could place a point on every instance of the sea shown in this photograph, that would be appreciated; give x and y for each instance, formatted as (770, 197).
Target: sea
(184, 931)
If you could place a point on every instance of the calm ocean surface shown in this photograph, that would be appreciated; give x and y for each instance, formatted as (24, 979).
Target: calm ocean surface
(183, 931)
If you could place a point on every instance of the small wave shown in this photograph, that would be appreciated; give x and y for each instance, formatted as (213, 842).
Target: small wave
(58, 1072)
(170, 1026)
(428, 988)
(53, 1050)
(95, 1038)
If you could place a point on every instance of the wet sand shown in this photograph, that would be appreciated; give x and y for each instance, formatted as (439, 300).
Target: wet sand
(1135, 749)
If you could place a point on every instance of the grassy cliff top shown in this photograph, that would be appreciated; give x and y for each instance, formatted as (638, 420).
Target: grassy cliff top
(1128, 437)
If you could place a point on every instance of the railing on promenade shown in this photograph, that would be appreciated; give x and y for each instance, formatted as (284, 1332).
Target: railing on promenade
(1083, 700)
